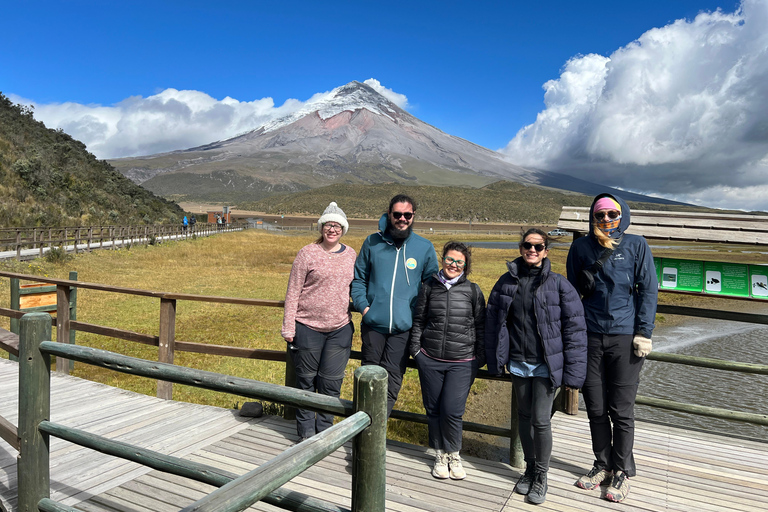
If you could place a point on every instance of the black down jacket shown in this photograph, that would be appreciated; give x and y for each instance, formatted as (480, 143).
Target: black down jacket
(560, 320)
(447, 324)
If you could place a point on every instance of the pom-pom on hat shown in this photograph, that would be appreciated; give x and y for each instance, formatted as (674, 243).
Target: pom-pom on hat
(333, 214)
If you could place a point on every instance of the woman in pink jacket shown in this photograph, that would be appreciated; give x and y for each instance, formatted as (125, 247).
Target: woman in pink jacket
(317, 323)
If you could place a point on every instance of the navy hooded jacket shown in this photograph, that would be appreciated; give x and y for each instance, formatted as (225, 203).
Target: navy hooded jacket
(626, 288)
(560, 322)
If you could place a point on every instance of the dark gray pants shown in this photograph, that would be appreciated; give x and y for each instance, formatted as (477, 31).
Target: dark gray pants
(534, 412)
(390, 352)
(444, 390)
(613, 374)
(319, 362)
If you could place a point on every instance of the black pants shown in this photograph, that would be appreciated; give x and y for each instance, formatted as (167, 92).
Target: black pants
(320, 362)
(613, 374)
(390, 351)
(444, 390)
(534, 412)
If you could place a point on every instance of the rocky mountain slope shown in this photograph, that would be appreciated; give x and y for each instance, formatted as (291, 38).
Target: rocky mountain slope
(353, 135)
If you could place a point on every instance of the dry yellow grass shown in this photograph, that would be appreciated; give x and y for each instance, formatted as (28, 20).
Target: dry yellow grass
(253, 264)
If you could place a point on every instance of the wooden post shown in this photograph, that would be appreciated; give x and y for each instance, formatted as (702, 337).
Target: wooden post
(15, 304)
(34, 406)
(62, 324)
(571, 401)
(18, 245)
(516, 457)
(369, 450)
(72, 313)
(167, 343)
(289, 413)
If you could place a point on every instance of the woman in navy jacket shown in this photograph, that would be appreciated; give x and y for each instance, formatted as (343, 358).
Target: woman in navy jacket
(619, 308)
(535, 330)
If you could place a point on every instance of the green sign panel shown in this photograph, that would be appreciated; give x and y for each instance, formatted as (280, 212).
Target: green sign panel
(734, 279)
(684, 275)
(726, 278)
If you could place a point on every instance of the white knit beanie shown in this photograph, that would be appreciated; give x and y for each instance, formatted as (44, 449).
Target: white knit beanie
(333, 214)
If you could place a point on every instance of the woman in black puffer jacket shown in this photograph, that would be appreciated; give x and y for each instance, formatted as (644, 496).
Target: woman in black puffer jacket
(447, 343)
(535, 330)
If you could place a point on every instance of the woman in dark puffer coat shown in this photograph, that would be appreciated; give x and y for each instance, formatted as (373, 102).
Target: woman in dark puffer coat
(447, 345)
(535, 329)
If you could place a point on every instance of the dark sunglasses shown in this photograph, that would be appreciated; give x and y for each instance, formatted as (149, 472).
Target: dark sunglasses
(612, 214)
(398, 215)
(527, 246)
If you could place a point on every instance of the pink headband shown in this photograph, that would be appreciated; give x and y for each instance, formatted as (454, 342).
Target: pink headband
(606, 203)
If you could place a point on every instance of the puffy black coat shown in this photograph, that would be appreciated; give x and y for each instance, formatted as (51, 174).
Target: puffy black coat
(446, 322)
(560, 320)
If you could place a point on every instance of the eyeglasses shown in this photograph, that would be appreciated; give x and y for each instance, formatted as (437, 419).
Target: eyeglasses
(451, 261)
(332, 227)
(398, 215)
(612, 214)
(528, 245)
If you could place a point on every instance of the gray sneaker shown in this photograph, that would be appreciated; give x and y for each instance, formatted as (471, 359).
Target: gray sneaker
(455, 468)
(526, 479)
(440, 469)
(619, 488)
(594, 478)
(538, 492)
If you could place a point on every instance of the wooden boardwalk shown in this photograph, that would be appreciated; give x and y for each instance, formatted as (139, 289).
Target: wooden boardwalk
(679, 470)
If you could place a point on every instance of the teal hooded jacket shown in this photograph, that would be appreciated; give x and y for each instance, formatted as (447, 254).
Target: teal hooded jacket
(387, 279)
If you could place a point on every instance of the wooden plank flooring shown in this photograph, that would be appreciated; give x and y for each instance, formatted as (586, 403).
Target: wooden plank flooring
(679, 470)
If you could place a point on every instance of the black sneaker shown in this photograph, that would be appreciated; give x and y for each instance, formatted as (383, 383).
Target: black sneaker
(523, 485)
(538, 492)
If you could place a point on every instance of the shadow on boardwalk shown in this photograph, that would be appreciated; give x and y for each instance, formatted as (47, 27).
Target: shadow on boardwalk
(678, 469)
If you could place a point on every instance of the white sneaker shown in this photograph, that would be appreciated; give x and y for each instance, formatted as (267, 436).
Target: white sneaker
(440, 469)
(456, 469)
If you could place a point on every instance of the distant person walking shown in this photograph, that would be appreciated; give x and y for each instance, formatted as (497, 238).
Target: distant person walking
(615, 274)
(184, 224)
(388, 274)
(447, 342)
(317, 323)
(192, 223)
(535, 330)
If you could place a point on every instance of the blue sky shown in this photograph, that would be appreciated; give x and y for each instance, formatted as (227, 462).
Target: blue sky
(473, 69)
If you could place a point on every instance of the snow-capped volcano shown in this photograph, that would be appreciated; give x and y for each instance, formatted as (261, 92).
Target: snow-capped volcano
(350, 97)
(352, 134)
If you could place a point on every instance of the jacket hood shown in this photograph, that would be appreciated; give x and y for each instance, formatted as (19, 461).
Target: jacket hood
(625, 216)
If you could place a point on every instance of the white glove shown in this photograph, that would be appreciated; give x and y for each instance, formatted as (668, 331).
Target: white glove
(642, 345)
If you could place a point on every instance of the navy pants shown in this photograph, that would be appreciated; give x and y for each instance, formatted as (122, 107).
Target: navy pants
(444, 390)
(534, 412)
(320, 362)
(613, 374)
(390, 352)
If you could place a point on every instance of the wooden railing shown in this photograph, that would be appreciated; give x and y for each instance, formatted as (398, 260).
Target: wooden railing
(85, 238)
(168, 344)
(365, 425)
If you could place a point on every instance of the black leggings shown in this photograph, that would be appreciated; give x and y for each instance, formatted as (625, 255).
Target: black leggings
(534, 411)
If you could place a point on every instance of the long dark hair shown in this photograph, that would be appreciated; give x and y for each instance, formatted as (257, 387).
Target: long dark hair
(463, 249)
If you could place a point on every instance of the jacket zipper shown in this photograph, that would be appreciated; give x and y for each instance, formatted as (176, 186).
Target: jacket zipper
(392, 289)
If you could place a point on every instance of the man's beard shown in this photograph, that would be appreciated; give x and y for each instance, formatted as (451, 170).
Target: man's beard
(397, 234)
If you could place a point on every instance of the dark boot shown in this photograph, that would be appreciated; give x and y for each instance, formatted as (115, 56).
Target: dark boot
(524, 483)
(538, 492)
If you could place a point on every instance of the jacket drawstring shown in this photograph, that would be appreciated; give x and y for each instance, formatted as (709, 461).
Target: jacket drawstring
(407, 279)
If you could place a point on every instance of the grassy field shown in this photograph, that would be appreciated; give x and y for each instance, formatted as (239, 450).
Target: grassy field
(253, 264)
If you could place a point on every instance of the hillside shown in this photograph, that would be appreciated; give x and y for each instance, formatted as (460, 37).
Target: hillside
(502, 201)
(49, 179)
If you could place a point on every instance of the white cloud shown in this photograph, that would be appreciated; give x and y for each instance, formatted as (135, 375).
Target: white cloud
(398, 99)
(169, 120)
(681, 112)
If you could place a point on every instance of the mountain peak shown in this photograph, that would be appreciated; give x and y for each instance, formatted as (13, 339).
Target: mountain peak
(349, 97)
